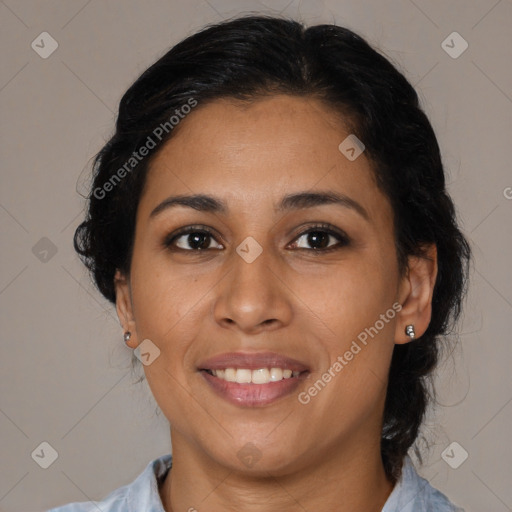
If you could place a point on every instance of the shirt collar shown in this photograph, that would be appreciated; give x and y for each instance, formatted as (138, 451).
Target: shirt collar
(143, 494)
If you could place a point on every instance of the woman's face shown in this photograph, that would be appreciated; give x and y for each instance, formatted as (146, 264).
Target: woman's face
(270, 287)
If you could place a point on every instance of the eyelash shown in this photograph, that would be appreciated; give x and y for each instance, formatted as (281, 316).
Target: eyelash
(329, 229)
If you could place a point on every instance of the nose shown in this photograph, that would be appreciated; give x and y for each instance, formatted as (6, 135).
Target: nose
(253, 297)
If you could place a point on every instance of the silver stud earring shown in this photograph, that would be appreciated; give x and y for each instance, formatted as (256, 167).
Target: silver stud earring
(409, 330)
(127, 336)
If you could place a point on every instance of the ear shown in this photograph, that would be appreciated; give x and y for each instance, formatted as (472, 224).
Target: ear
(124, 307)
(415, 294)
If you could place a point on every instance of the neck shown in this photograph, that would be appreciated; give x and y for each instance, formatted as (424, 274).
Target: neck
(337, 479)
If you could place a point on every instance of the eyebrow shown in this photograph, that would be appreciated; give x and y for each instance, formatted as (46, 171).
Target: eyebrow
(300, 200)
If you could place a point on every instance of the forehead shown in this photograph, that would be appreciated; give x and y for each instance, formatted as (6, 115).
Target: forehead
(279, 125)
(259, 151)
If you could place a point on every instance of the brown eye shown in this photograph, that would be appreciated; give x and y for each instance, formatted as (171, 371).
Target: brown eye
(192, 239)
(322, 238)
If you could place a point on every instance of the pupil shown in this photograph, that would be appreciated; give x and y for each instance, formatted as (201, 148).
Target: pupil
(318, 238)
(198, 240)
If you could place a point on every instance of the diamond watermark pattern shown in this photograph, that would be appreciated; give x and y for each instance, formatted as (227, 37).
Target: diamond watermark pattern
(249, 249)
(249, 454)
(454, 45)
(44, 250)
(351, 147)
(44, 45)
(147, 352)
(454, 455)
(45, 455)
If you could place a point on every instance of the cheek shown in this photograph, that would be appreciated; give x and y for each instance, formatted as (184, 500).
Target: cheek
(355, 303)
(163, 308)
(164, 295)
(167, 311)
(350, 297)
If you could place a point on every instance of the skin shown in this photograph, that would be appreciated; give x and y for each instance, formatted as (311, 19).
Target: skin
(292, 299)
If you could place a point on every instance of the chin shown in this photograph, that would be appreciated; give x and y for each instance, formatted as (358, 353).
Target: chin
(260, 459)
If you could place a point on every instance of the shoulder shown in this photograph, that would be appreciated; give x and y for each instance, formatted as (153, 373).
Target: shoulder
(414, 494)
(141, 494)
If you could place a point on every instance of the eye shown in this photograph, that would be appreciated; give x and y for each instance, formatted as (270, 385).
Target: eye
(320, 238)
(192, 238)
(200, 238)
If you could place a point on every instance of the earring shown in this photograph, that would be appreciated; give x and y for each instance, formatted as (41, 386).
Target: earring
(127, 336)
(409, 330)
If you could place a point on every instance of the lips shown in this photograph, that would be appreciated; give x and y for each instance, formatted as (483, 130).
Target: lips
(249, 394)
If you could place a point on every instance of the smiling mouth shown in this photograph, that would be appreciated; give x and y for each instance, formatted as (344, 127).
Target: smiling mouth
(253, 379)
(253, 388)
(258, 376)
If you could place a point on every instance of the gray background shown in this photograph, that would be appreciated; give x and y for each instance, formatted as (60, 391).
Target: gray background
(64, 370)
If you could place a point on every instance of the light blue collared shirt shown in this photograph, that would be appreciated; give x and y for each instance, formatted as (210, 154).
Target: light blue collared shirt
(411, 494)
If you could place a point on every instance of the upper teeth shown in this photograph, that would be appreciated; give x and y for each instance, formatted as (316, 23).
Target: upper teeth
(259, 376)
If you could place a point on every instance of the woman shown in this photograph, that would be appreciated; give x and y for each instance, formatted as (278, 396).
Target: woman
(271, 221)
